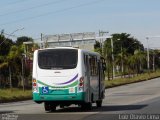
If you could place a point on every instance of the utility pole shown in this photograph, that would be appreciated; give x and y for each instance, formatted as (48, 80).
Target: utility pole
(101, 34)
(41, 41)
(122, 69)
(23, 82)
(153, 61)
(148, 66)
(101, 37)
(113, 71)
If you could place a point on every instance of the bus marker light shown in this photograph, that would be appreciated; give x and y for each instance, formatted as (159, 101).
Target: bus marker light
(34, 84)
(80, 84)
(34, 80)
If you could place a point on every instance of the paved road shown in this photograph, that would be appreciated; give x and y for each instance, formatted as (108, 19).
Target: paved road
(137, 98)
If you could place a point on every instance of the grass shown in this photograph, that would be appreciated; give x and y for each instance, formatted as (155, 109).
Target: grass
(15, 94)
(139, 78)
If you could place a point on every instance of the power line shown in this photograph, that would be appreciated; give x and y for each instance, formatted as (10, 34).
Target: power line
(54, 12)
(12, 3)
(15, 2)
(10, 35)
(30, 8)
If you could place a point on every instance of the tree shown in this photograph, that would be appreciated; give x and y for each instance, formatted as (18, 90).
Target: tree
(26, 56)
(22, 39)
(107, 54)
(97, 47)
(14, 64)
(123, 46)
(11, 57)
(5, 45)
(139, 57)
(154, 59)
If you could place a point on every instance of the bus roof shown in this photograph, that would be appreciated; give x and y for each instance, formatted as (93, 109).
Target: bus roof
(83, 50)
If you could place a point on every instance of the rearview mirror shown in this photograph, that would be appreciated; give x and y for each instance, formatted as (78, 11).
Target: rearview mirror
(104, 66)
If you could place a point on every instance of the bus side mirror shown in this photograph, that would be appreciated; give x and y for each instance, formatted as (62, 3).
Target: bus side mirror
(104, 67)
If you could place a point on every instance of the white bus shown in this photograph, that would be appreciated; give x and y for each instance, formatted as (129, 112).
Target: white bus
(64, 75)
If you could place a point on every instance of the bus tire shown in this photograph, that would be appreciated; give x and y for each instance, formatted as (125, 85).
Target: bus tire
(86, 106)
(99, 103)
(89, 106)
(52, 108)
(47, 106)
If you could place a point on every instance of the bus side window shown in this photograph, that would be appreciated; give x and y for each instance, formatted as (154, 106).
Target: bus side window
(85, 57)
(96, 66)
(90, 65)
(93, 66)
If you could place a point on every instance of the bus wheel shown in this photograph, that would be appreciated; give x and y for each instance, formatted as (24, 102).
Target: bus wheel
(99, 103)
(86, 106)
(89, 106)
(47, 106)
(52, 107)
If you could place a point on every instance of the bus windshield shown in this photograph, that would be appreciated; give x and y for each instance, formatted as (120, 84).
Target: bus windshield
(58, 58)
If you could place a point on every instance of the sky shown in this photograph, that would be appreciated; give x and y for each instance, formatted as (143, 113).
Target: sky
(140, 18)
